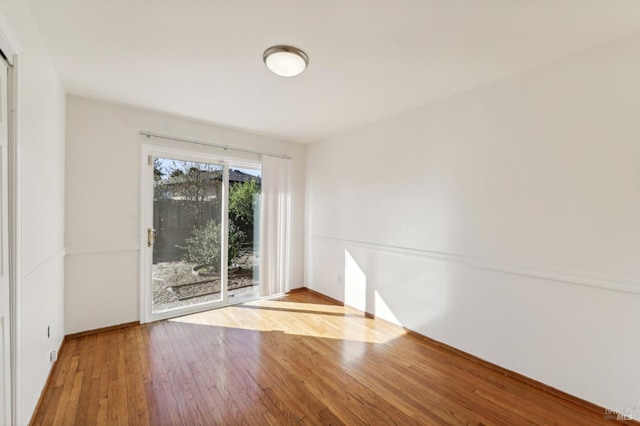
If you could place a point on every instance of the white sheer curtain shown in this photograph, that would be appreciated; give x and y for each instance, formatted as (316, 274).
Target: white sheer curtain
(275, 225)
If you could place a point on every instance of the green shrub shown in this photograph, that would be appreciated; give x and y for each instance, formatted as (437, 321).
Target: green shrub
(242, 198)
(237, 238)
(203, 247)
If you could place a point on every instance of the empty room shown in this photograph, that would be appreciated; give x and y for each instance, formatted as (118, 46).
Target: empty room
(338, 212)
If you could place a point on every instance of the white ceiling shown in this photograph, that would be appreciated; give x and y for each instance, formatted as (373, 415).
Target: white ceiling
(368, 58)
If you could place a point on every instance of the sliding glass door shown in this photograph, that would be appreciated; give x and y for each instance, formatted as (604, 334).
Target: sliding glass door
(201, 236)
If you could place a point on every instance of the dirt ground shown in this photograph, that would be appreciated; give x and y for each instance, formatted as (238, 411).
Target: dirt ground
(175, 284)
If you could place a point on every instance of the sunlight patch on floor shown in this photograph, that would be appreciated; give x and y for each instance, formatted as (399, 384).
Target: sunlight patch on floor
(302, 319)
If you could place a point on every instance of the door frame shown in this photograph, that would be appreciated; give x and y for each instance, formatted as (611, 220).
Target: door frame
(149, 150)
(11, 47)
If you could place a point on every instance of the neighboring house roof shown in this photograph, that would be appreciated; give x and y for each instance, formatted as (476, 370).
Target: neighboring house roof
(238, 176)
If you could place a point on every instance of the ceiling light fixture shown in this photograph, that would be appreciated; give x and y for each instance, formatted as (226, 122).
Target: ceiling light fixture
(286, 61)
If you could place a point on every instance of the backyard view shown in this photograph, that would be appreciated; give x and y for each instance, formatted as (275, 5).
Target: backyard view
(187, 219)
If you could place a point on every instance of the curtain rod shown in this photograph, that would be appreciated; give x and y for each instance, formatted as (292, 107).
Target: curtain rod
(215, 145)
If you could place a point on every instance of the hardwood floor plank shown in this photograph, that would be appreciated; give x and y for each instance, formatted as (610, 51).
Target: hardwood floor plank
(67, 387)
(87, 367)
(134, 386)
(48, 414)
(300, 359)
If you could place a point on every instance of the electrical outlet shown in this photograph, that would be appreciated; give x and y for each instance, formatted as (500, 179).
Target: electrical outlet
(53, 356)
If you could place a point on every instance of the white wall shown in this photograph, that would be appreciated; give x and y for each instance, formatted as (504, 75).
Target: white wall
(504, 221)
(41, 259)
(103, 180)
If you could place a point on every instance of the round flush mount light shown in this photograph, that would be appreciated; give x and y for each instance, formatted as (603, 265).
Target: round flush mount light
(286, 61)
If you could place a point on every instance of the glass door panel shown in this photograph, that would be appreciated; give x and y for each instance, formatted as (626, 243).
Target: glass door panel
(244, 233)
(188, 207)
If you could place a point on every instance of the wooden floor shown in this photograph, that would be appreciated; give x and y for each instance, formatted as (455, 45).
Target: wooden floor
(296, 360)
